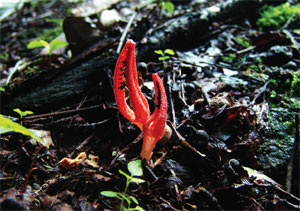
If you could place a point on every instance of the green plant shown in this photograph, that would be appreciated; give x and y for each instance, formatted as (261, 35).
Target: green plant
(22, 113)
(296, 31)
(167, 5)
(275, 17)
(7, 125)
(54, 44)
(135, 169)
(2, 89)
(164, 55)
(4, 56)
(245, 42)
(230, 58)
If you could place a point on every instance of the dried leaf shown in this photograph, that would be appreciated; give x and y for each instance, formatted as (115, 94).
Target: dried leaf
(69, 163)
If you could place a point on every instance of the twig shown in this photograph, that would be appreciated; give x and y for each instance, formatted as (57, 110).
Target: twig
(178, 197)
(30, 169)
(184, 143)
(61, 112)
(77, 108)
(152, 174)
(168, 203)
(126, 148)
(125, 33)
(90, 125)
(245, 50)
(171, 101)
(82, 144)
(289, 21)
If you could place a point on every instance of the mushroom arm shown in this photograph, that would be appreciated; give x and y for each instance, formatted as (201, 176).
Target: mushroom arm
(154, 128)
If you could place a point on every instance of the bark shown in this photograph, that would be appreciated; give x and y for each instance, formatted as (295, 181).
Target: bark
(66, 88)
(191, 29)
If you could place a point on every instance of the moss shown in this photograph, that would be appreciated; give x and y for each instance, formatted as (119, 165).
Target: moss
(275, 17)
(295, 85)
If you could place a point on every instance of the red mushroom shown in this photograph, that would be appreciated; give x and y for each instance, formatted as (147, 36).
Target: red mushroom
(152, 126)
(126, 68)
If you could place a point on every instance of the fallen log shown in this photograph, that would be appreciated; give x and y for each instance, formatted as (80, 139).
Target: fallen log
(191, 29)
(65, 88)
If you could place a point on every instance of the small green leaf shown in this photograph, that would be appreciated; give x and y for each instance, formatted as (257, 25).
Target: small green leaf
(56, 44)
(159, 52)
(28, 112)
(163, 58)
(137, 208)
(170, 52)
(7, 125)
(168, 6)
(22, 113)
(17, 110)
(37, 44)
(109, 194)
(135, 168)
(296, 31)
(2, 89)
(134, 199)
(137, 180)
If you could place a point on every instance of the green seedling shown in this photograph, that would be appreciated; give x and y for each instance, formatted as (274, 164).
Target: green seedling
(7, 125)
(245, 42)
(22, 113)
(4, 56)
(167, 5)
(230, 58)
(135, 169)
(164, 55)
(54, 44)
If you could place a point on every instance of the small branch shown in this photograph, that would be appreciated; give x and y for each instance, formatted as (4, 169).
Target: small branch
(122, 39)
(126, 148)
(72, 111)
(171, 101)
(168, 203)
(30, 169)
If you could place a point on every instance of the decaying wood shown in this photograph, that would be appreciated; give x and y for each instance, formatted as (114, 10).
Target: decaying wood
(193, 28)
(64, 89)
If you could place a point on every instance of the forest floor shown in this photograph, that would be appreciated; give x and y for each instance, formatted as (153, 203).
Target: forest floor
(231, 74)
